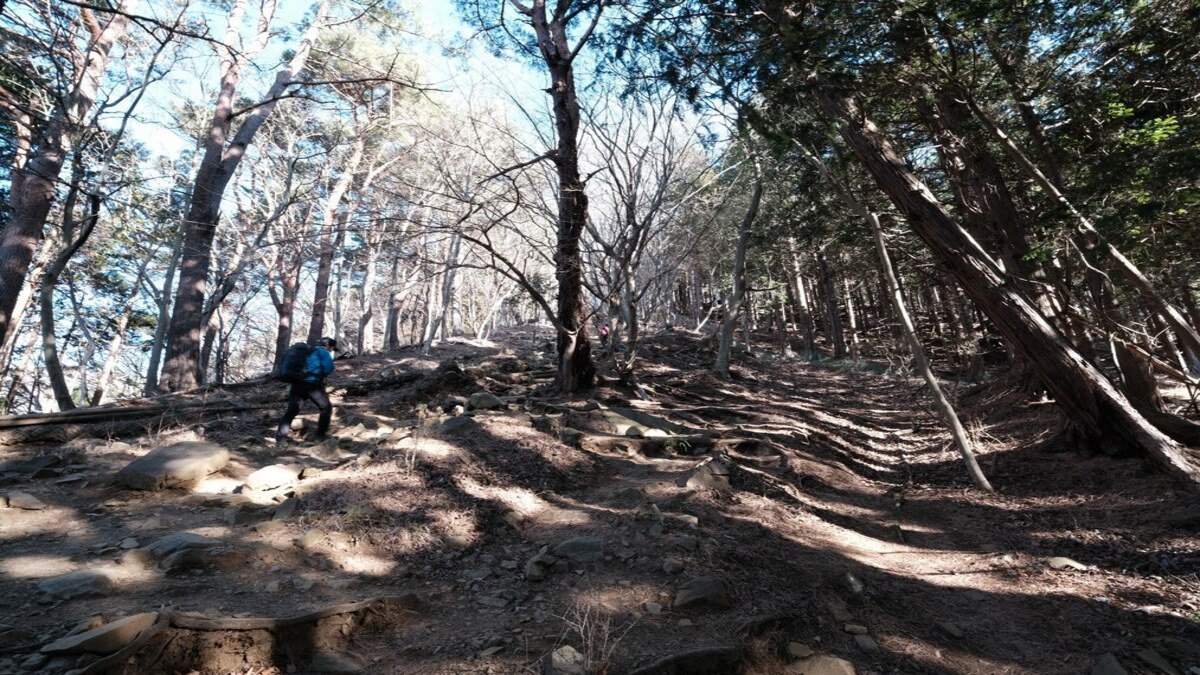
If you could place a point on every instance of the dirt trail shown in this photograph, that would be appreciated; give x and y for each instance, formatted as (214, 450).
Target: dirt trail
(812, 508)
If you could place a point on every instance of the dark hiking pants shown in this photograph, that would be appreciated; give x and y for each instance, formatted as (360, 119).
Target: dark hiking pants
(306, 391)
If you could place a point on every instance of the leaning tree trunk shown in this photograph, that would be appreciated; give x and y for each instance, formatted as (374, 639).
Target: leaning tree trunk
(1100, 416)
(221, 158)
(1188, 336)
(33, 187)
(940, 401)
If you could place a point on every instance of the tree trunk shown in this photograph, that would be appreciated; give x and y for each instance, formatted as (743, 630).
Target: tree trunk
(833, 318)
(117, 341)
(1100, 415)
(853, 317)
(164, 316)
(33, 185)
(366, 299)
(733, 301)
(576, 371)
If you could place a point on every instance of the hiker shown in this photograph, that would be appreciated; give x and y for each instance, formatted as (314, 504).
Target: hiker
(605, 329)
(308, 385)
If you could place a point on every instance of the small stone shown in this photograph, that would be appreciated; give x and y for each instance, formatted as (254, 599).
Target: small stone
(951, 628)
(799, 650)
(703, 593)
(478, 574)
(672, 566)
(1107, 664)
(867, 643)
(274, 476)
(822, 664)
(853, 583)
(180, 541)
(566, 660)
(482, 400)
(652, 607)
(310, 539)
(974, 595)
(581, 549)
(839, 612)
(138, 557)
(538, 567)
(493, 601)
(34, 662)
(509, 564)
(458, 424)
(1061, 563)
(187, 560)
(275, 586)
(270, 527)
(286, 509)
(329, 662)
(684, 623)
(344, 584)
(491, 651)
(25, 501)
(81, 584)
(249, 514)
(303, 584)
(104, 639)
(129, 543)
(1156, 660)
(855, 629)
(708, 477)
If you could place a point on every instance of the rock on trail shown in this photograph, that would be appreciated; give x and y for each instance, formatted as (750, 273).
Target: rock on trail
(179, 465)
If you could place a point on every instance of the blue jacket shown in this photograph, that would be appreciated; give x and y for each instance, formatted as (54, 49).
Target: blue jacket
(319, 365)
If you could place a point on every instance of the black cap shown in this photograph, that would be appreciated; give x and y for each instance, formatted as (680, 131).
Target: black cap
(329, 343)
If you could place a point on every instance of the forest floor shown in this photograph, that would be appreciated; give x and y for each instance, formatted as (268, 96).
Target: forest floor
(797, 518)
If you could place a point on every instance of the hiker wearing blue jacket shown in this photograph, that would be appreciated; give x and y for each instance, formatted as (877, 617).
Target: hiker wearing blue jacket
(317, 367)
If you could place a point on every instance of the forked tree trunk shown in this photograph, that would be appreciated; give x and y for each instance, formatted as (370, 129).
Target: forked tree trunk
(1100, 416)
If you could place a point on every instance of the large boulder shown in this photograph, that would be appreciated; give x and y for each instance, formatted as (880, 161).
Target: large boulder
(179, 465)
(106, 639)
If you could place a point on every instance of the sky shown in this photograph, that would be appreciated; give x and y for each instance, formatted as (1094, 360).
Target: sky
(436, 24)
